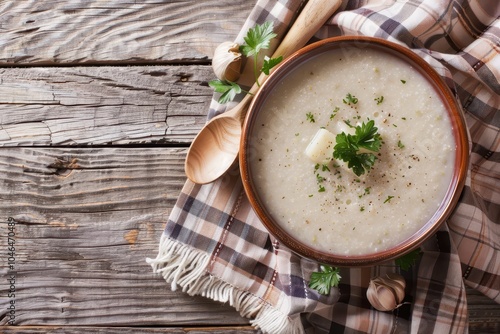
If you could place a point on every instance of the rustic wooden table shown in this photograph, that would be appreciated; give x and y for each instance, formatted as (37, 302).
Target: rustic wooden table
(99, 100)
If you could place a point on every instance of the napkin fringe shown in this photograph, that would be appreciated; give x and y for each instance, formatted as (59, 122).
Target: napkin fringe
(179, 265)
(185, 267)
(270, 320)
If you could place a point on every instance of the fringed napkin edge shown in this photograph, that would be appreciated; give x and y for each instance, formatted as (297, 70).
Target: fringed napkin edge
(185, 267)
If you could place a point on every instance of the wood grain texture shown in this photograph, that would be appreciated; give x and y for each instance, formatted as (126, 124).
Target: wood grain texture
(484, 313)
(130, 330)
(96, 31)
(103, 105)
(85, 221)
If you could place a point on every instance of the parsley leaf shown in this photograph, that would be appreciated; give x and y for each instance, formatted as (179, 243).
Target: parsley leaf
(258, 38)
(319, 178)
(334, 113)
(408, 260)
(348, 123)
(310, 117)
(367, 136)
(350, 99)
(379, 100)
(228, 90)
(388, 199)
(347, 147)
(269, 63)
(324, 280)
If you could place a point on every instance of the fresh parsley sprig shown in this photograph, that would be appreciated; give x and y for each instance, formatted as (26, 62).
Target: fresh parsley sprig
(352, 148)
(325, 279)
(258, 38)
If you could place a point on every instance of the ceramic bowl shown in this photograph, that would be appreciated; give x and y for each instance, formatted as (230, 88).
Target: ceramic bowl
(258, 200)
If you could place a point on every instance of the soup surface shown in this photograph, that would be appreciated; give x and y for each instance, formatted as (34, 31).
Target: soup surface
(325, 204)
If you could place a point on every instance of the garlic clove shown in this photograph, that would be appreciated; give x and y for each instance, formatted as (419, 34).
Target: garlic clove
(398, 284)
(396, 278)
(227, 61)
(386, 293)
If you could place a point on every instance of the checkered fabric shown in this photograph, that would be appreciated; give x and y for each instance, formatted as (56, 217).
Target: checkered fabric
(214, 245)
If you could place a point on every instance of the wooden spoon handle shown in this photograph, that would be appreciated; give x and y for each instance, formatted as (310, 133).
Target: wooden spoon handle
(311, 18)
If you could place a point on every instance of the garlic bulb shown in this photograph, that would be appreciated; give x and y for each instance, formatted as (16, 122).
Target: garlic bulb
(386, 293)
(227, 61)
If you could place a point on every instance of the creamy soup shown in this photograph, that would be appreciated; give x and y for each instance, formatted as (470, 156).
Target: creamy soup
(324, 204)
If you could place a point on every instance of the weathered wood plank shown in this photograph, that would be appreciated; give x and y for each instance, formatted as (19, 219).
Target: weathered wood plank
(84, 222)
(131, 330)
(122, 31)
(102, 105)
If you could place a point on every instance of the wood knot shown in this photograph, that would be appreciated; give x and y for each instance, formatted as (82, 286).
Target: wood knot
(131, 236)
(64, 166)
(184, 77)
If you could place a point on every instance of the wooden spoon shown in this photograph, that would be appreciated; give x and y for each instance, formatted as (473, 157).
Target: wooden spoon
(215, 148)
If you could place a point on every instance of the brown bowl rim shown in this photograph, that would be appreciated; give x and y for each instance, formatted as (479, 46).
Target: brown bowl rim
(452, 195)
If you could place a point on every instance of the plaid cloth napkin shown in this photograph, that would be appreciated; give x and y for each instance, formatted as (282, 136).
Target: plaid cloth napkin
(214, 245)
